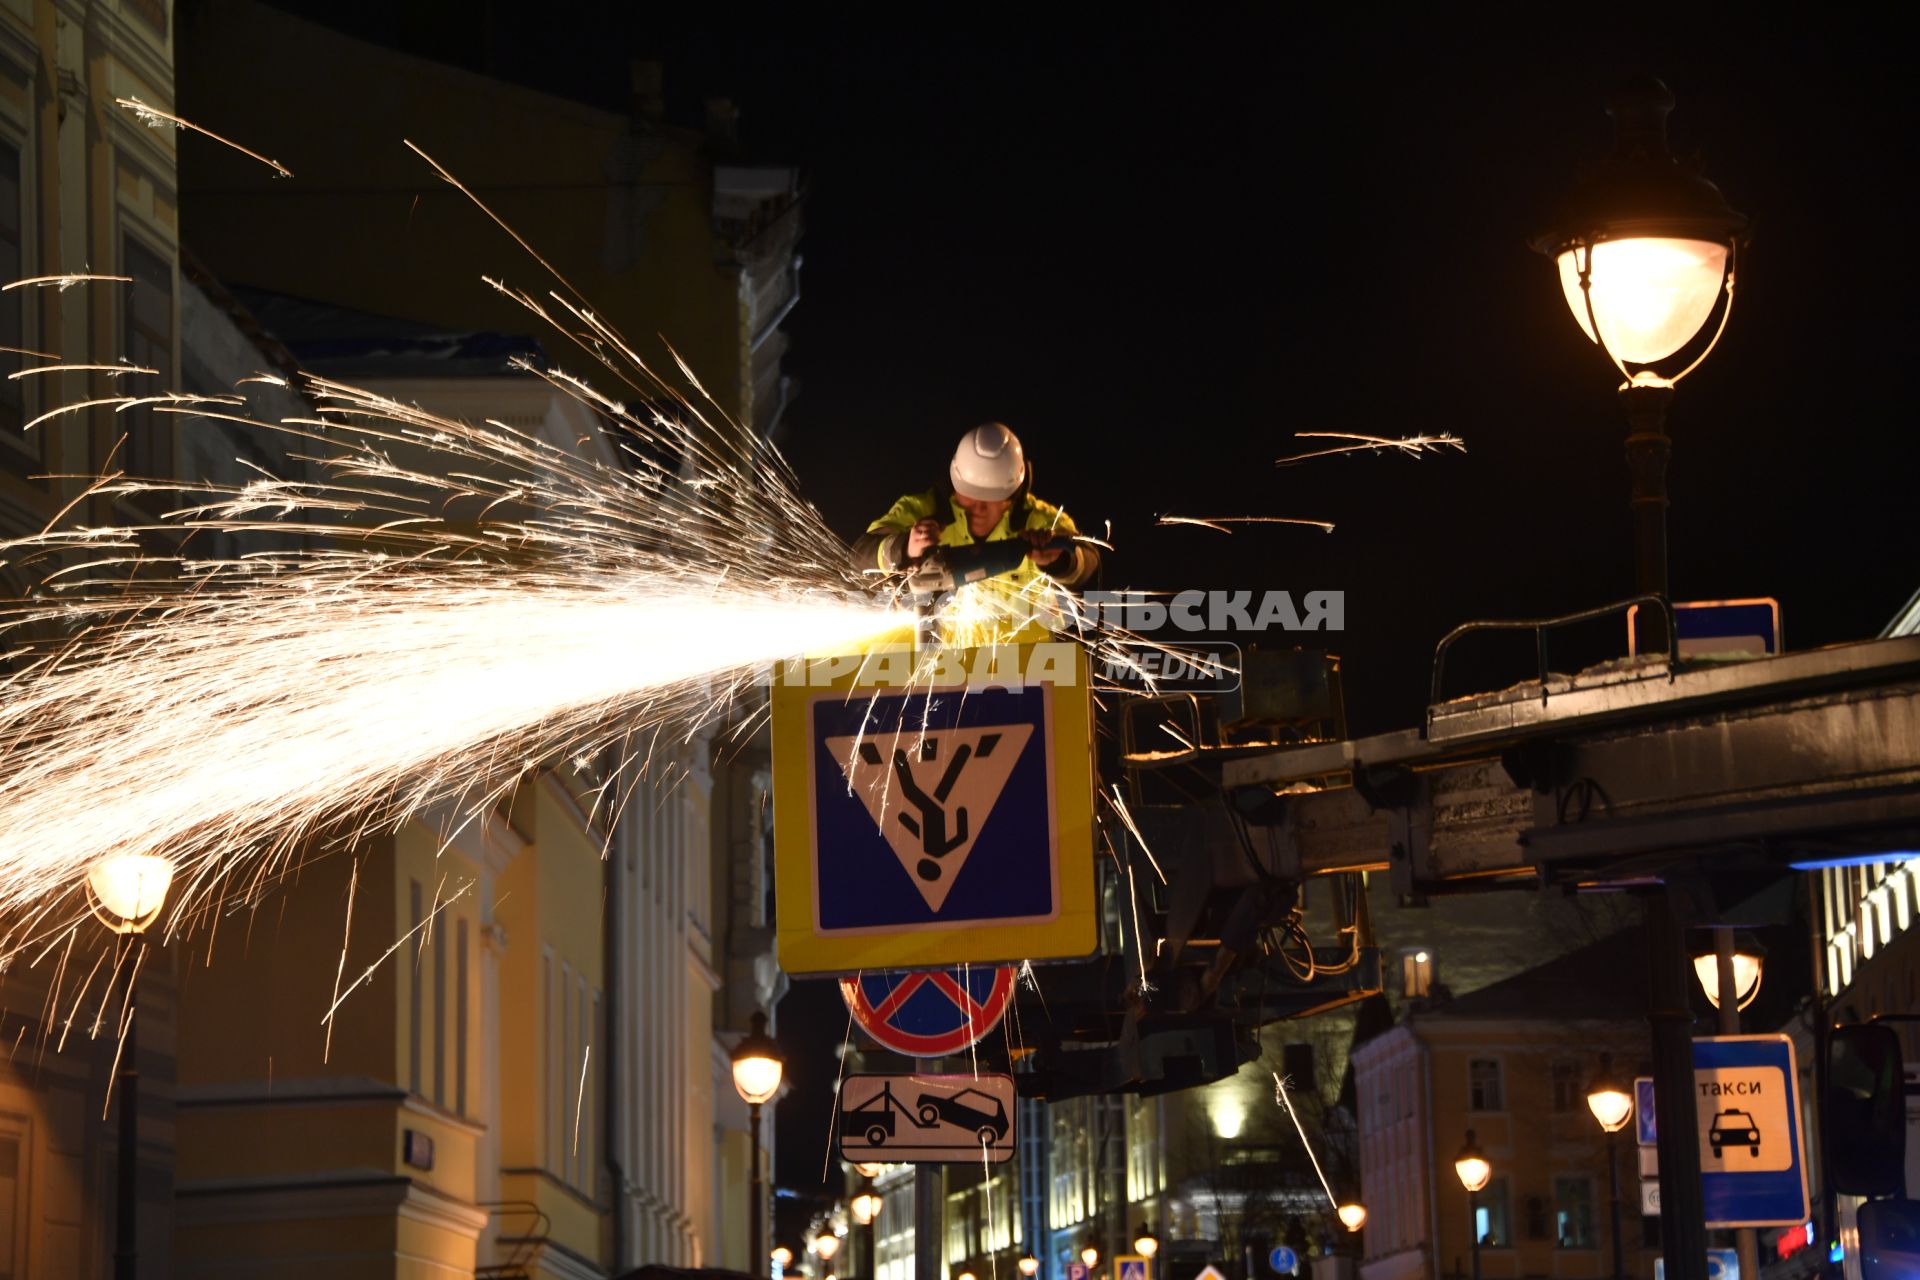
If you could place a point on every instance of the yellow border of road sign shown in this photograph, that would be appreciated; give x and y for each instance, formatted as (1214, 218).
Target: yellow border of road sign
(1072, 932)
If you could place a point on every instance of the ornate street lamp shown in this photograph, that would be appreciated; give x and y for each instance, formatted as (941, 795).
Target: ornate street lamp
(865, 1207)
(1474, 1170)
(1029, 1266)
(826, 1244)
(1145, 1243)
(757, 1069)
(1611, 1100)
(1645, 250)
(126, 892)
(1353, 1215)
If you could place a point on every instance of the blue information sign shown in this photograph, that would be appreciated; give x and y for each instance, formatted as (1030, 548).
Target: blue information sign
(1284, 1260)
(1753, 1169)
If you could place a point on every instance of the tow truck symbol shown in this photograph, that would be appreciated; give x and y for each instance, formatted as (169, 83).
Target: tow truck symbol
(970, 1109)
(1733, 1128)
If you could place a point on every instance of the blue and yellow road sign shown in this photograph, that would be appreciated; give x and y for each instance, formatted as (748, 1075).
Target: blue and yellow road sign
(933, 812)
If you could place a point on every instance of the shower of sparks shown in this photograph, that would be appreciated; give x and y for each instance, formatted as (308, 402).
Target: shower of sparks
(1220, 523)
(1120, 807)
(472, 601)
(1280, 1096)
(63, 283)
(1413, 446)
(154, 118)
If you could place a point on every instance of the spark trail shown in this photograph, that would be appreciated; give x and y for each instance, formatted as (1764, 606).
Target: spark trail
(466, 603)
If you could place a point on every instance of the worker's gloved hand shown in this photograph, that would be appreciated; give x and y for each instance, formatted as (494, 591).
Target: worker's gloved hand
(924, 535)
(1043, 548)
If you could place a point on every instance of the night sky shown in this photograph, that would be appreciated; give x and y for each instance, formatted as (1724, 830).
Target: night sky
(1157, 247)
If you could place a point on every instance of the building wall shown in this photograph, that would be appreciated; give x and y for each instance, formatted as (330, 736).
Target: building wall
(1417, 1099)
(78, 176)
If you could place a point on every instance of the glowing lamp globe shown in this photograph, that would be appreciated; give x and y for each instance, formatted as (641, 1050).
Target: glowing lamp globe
(127, 890)
(1748, 962)
(782, 1257)
(1029, 1266)
(1651, 294)
(865, 1207)
(964, 1275)
(1609, 1098)
(757, 1064)
(1645, 247)
(1353, 1215)
(869, 1170)
(1145, 1243)
(1472, 1166)
(1090, 1256)
(826, 1244)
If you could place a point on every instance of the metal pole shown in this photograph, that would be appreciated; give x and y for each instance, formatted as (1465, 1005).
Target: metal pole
(1745, 1243)
(126, 1253)
(757, 1243)
(1683, 1232)
(1613, 1177)
(1648, 449)
(1473, 1229)
(926, 1222)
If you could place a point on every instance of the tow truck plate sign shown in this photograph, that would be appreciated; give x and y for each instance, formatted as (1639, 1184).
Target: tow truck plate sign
(926, 1119)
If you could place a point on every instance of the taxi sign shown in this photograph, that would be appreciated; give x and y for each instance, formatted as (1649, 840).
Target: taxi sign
(1747, 1112)
(934, 810)
(930, 1014)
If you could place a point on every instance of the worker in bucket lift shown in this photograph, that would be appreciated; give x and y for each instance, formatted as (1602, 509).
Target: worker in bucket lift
(982, 529)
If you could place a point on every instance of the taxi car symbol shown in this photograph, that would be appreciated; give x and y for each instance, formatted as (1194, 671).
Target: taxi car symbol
(1733, 1128)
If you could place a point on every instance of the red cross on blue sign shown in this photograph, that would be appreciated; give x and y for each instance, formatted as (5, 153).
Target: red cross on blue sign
(929, 1013)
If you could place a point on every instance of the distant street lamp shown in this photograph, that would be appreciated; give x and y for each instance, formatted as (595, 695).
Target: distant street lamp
(1749, 960)
(782, 1257)
(1645, 248)
(1473, 1169)
(1145, 1243)
(126, 893)
(757, 1069)
(865, 1207)
(1353, 1215)
(826, 1244)
(1029, 1266)
(1611, 1101)
(1091, 1257)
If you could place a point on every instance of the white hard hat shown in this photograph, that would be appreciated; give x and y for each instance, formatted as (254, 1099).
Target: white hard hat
(989, 464)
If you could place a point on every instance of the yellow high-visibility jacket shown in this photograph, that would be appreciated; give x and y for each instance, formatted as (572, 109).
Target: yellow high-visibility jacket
(1017, 595)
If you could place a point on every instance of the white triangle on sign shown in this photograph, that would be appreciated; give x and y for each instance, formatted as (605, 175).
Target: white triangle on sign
(930, 792)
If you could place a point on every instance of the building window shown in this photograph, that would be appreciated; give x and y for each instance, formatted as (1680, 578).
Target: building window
(1573, 1212)
(460, 996)
(13, 304)
(148, 342)
(439, 1023)
(10, 1224)
(414, 994)
(1416, 974)
(1296, 1064)
(1492, 1218)
(1483, 1085)
(1567, 1093)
